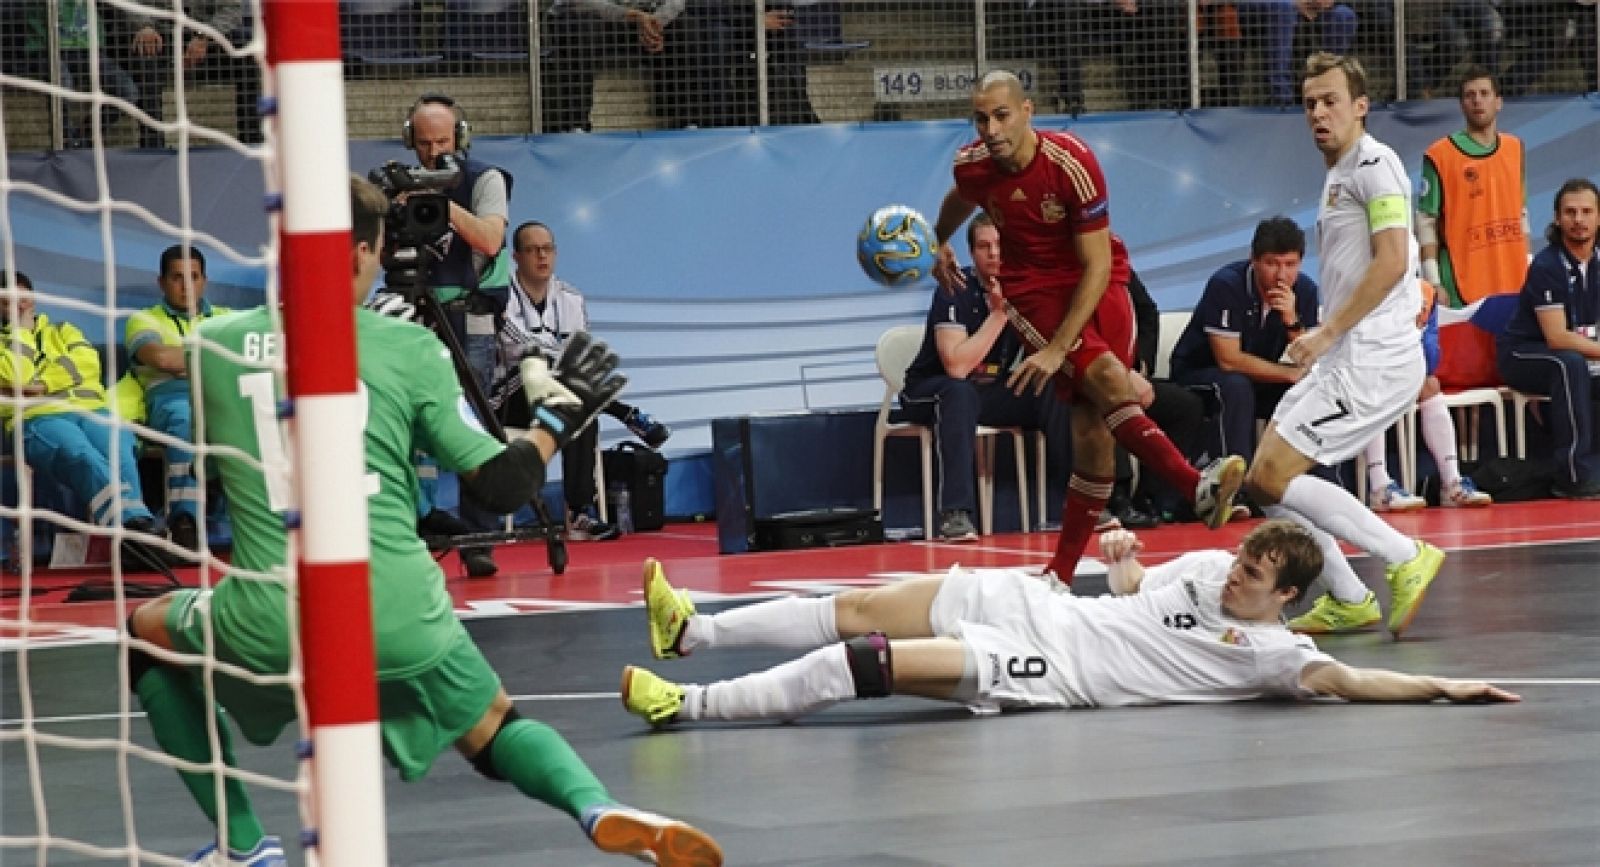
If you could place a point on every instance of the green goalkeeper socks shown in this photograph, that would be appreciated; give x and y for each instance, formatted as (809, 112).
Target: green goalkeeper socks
(537, 760)
(177, 710)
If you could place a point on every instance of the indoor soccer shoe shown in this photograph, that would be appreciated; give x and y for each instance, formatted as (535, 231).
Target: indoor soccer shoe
(1408, 583)
(1219, 484)
(669, 611)
(1394, 499)
(644, 427)
(650, 838)
(267, 853)
(1464, 495)
(1330, 615)
(650, 697)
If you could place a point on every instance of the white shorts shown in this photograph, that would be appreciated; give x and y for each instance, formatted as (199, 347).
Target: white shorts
(1003, 619)
(1332, 414)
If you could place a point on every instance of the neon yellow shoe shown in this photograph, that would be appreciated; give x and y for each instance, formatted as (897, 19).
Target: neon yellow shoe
(650, 697)
(651, 838)
(1408, 583)
(669, 611)
(1330, 615)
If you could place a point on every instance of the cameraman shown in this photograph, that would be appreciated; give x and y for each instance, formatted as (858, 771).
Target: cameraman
(462, 269)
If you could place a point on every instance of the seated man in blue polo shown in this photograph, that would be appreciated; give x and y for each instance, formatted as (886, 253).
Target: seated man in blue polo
(957, 382)
(1249, 313)
(1549, 346)
(158, 362)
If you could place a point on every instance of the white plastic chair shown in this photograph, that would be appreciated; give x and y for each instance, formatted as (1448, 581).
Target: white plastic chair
(897, 348)
(1519, 416)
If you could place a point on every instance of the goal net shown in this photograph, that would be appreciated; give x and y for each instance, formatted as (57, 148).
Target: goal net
(109, 496)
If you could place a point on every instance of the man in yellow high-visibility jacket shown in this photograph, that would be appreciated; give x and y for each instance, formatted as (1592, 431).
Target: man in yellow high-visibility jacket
(158, 361)
(50, 376)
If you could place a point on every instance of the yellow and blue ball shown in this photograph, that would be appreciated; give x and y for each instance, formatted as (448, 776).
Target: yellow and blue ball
(897, 246)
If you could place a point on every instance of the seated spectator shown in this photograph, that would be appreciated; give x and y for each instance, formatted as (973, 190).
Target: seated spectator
(72, 33)
(1384, 494)
(542, 314)
(1246, 318)
(66, 429)
(1273, 28)
(1148, 39)
(681, 43)
(159, 362)
(1548, 29)
(1463, 30)
(1175, 409)
(1549, 346)
(203, 61)
(958, 381)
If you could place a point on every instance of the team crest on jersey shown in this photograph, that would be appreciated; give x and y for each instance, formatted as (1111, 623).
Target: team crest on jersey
(1017, 195)
(1235, 637)
(468, 415)
(1333, 194)
(1051, 209)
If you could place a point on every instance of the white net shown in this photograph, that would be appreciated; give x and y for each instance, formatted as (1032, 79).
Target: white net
(100, 470)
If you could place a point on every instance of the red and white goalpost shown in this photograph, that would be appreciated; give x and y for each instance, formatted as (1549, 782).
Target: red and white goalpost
(345, 820)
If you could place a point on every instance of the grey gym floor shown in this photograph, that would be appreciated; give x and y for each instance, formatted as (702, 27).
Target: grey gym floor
(906, 782)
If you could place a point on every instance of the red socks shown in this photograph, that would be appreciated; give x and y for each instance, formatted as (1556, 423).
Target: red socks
(1086, 499)
(1135, 432)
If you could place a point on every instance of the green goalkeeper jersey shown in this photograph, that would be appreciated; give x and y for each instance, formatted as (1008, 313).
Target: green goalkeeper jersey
(412, 401)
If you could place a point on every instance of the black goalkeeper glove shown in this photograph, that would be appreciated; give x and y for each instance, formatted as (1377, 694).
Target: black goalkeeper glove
(564, 400)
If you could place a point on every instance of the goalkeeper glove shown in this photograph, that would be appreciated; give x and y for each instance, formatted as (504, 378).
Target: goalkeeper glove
(563, 400)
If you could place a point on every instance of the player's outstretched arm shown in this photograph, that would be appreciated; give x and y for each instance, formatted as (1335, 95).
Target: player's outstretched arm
(1377, 684)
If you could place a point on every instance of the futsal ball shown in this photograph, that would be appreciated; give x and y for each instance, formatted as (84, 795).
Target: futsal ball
(896, 246)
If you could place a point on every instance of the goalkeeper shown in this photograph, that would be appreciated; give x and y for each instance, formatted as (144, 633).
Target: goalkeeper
(435, 688)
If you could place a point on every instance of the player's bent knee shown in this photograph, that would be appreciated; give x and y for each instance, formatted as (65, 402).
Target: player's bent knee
(483, 760)
(139, 661)
(871, 665)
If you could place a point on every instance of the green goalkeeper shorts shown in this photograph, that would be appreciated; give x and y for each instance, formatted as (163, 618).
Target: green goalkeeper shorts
(422, 714)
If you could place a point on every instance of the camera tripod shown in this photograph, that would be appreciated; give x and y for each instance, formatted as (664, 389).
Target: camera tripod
(430, 314)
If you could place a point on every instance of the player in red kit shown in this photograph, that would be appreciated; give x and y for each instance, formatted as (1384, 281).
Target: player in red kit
(1066, 274)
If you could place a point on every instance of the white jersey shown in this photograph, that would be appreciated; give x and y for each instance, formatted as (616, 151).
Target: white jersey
(1171, 642)
(1366, 192)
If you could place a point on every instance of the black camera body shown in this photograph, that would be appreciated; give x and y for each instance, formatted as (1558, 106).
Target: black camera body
(418, 221)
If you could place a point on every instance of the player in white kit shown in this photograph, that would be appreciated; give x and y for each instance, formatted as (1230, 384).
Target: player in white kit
(1205, 627)
(1365, 361)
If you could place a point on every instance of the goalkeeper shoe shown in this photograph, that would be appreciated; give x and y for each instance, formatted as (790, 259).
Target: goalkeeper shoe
(1408, 584)
(1219, 484)
(669, 611)
(649, 696)
(644, 427)
(1330, 615)
(650, 838)
(267, 853)
(564, 400)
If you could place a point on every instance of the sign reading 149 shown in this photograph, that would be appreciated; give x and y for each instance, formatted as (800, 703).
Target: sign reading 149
(939, 82)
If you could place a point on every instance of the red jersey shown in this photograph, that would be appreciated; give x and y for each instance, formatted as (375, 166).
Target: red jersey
(1060, 193)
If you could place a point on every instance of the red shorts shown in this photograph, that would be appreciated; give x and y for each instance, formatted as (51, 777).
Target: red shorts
(1110, 330)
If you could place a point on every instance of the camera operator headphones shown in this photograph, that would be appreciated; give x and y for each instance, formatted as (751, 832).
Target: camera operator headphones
(408, 134)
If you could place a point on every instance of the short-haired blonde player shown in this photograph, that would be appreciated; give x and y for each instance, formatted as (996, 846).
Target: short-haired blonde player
(1206, 627)
(1365, 360)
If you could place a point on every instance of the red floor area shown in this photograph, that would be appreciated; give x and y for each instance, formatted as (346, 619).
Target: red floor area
(604, 574)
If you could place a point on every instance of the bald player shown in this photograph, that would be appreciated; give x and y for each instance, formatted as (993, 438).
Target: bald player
(1065, 272)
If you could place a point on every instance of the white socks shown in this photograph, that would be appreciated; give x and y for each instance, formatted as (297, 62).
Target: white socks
(1335, 510)
(1337, 575)
(817, 680)
(793, 622)
(1377, 474)
(1439, 432)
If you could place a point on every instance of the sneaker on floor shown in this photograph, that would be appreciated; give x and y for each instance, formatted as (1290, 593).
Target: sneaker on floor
(644, 427)
(668, 609)
(1394, 499)
(1408, 584)
(650, 697)
(184, 531)
(1219, 484)
(650, 838)
(1584, 490)
(141, 556)
(479, 562)
(1464, 495)
(583, 527)
(1329, 615)
(956, 526)
(267, 853)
